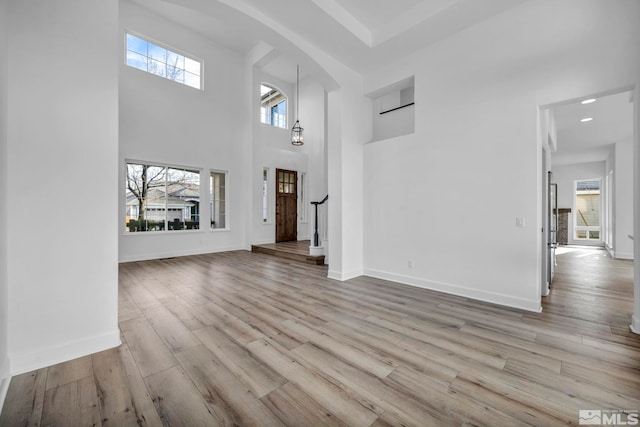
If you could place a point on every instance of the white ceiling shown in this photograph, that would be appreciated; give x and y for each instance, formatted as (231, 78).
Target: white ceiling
(219, 23)
(365, 34)
(375, 13)
(362, 34)
(591, 141)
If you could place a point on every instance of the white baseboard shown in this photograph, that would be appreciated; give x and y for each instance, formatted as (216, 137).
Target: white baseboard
(5, 379)
(635, 324)
(546, 289)
(491, 297)
(173, 254)
(622, 255)
(336, 275)
(21, 363)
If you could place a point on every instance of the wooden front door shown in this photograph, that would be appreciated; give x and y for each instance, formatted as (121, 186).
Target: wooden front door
(286, 205)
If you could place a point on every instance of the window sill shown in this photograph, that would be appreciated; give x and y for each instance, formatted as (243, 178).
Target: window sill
(163, 232)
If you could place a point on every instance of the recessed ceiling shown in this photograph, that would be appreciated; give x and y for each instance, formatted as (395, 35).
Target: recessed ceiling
(221, 24)
(376, 13)
(362, 34)
(587, 141)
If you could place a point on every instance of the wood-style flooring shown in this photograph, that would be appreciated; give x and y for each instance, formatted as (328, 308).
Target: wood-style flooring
(247, 339)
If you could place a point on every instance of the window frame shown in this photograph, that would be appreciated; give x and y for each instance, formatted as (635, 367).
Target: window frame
(286, 107)
(166, 166)
(590, 228)
(170, 49)
(266, 196)
(227, 225)
(302, 197)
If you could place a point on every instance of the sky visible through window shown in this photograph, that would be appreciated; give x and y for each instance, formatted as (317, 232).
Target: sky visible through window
(162, 62)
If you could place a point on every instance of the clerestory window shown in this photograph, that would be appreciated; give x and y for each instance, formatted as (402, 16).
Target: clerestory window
(163, 62)
(273, 106)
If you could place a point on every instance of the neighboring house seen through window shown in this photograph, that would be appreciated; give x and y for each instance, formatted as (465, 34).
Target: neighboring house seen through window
(161, 198)
(154, 59)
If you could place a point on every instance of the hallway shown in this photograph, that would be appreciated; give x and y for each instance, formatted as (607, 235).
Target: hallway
(593, 293)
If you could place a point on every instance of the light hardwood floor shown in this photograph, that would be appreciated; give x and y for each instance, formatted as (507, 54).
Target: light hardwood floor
(247, 339)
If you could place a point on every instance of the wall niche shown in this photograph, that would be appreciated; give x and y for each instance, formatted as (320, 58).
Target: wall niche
(394, 110)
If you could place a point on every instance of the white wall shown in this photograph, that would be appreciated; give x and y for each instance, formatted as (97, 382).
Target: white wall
(447, 197)
(635, 319)
(350, 126)
(565, 176)
(609, 169)
(166, 122)
(623, 200)
(4, 286)
(62, 180)
(312, 118)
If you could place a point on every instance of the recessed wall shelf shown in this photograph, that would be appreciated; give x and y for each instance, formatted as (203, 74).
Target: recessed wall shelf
(399, 98)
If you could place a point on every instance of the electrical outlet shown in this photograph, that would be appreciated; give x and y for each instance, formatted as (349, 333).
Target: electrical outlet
(520, 222)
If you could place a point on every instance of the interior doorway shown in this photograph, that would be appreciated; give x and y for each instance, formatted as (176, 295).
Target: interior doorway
(592, 143)
(286, 205)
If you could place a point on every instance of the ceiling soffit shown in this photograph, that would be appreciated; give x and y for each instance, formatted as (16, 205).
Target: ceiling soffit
(377, 22)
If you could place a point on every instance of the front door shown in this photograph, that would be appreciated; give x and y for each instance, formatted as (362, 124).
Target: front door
(286, 205)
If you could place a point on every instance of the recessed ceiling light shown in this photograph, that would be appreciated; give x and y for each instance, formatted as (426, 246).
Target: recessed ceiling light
(588, 101)
(586, 119)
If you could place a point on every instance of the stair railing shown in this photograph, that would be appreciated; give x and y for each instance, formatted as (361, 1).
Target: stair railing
(316, 237)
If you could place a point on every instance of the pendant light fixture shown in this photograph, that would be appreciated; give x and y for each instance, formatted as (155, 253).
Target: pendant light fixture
(296, 130)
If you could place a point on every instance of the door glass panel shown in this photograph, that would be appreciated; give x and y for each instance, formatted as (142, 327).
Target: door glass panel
(587, 215)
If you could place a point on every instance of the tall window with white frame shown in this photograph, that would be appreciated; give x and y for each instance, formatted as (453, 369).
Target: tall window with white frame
(302, 209)
(273, 106)
(161, 61)
(218, 198)
(265, 195)
(587, 216)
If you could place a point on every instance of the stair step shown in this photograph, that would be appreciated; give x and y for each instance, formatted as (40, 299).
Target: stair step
(294, 256)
